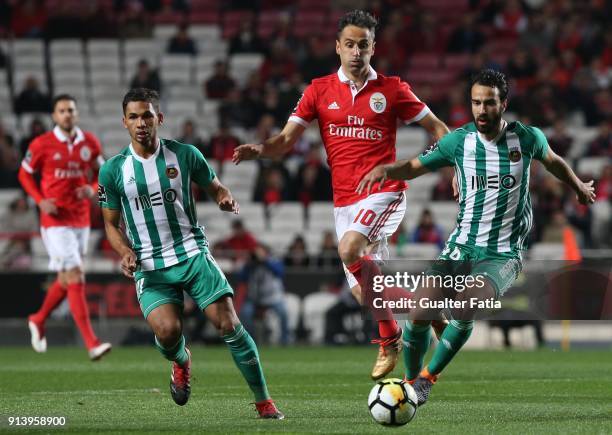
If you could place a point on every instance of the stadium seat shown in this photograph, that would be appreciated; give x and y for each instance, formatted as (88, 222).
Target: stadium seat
(314, 308)
(28, 47)
(410, 142)
(419, 251)
(66, 48)
(177, 68)
(8, 195)
(582, 137)
(547, 251)
(593, 165)
(205, 32)
(286, 217)
(243, 64)
(182, 108)
(163, 32)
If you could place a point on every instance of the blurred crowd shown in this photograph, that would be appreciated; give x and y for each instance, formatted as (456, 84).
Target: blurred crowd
(558, 55)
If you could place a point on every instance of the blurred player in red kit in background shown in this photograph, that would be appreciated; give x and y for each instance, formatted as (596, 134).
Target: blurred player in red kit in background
(67, 160)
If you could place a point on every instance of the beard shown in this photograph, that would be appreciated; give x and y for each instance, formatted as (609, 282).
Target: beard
(490, 125)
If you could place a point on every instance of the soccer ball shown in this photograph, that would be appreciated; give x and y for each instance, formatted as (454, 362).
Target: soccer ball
(392, 402)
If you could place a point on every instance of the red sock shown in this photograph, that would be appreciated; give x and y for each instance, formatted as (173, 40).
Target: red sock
(364, 270)
(387, 328)
(55, 294)
(80, 313)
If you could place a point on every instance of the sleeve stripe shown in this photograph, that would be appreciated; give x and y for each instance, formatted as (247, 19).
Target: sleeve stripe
(298, 120)
(27, 167)
(422, 114)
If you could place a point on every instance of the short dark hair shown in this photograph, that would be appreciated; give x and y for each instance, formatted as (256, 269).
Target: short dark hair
(142, 94)
(61, 97)
(357, 18)
(493, 79)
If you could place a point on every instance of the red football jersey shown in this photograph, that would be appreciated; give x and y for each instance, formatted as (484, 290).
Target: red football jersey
(63, 167)
(358, 127)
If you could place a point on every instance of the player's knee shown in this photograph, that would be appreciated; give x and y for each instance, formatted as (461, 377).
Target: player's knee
(349, 251)
(227, 324)
(168, 332)
(356, 291)
(74, 276)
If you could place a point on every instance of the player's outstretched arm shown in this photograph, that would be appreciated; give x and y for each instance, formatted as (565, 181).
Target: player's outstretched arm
(400, 170)
(119, 242)
(560, 169)
(275, 146)
(222, 196)
(434, 126)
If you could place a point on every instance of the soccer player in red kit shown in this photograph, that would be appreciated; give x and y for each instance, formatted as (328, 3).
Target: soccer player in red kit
(357, 110)
(67, 160)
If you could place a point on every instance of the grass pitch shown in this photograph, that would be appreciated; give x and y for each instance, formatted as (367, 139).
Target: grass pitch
(321, 390)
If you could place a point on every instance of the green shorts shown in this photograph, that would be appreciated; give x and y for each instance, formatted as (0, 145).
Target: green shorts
(199, 276)
(501, 270)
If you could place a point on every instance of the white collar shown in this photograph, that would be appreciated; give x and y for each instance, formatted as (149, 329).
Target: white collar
(59, 134)
(372, 75)
(151, 157)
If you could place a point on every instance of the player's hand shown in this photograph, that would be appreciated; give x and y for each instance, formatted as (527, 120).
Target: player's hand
(48, 206)
(85, 191)
(228, 203)
(128, 264)
(455, 188)
(376, 175)
(247, 152)
(586, 193)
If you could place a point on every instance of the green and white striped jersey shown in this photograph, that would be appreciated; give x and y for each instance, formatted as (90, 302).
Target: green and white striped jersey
(493, 178)
(154, 196)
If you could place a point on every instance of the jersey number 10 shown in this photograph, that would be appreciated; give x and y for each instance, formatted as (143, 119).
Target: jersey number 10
(366, 219)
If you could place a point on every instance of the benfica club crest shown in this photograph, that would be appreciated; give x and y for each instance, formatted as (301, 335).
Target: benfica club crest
(378, 102)
(171, 172)
(514, 155)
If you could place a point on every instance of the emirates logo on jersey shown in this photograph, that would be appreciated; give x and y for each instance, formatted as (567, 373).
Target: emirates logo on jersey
(378, 102)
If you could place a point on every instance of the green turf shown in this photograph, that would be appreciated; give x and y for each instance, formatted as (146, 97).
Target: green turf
(321, 390)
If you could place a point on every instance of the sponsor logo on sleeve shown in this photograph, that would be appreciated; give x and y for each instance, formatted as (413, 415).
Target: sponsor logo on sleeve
(430, 149)
(102, 193)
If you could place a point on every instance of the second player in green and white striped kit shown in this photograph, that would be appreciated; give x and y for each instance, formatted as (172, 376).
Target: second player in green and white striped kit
(491, 160)
(148, 184)
(156, 201)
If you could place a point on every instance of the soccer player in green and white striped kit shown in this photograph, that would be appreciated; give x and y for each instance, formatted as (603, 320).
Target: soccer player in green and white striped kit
(148, 184)
(491, 158)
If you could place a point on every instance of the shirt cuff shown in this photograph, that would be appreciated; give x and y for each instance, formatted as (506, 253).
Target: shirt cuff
(422, 114)
(299, 120)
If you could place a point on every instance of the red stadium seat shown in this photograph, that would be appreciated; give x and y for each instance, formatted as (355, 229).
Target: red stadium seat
(169, 17)
(313, 5)
(211, 17)
(424, 60)
(202, 6)
(456, 62)
(232, 21)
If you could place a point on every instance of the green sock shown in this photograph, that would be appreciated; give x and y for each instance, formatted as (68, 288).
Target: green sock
(455, 335)
(416, 338)
(175, 353)
(246, 357)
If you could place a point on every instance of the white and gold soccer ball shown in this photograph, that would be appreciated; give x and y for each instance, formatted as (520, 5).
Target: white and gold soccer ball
(392, 402)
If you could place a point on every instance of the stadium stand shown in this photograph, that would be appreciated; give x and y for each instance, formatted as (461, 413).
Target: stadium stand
(97, 68)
